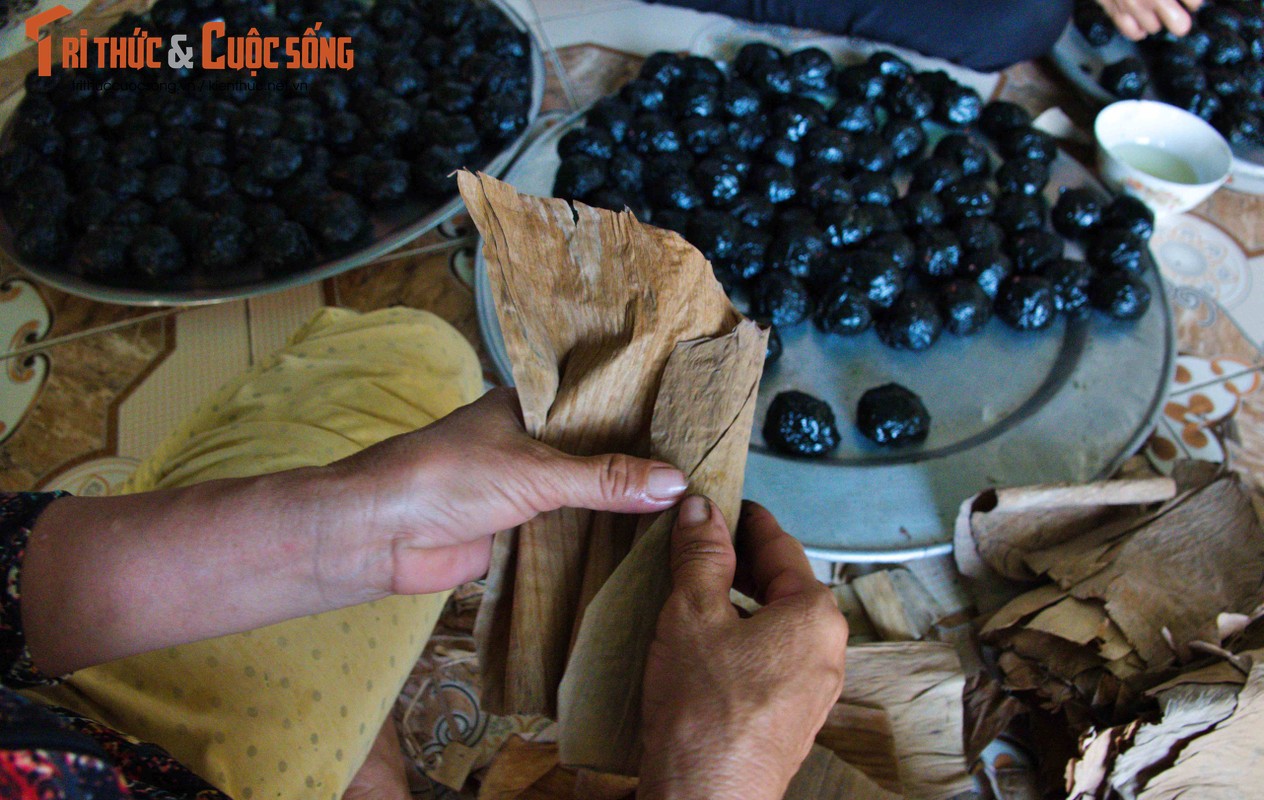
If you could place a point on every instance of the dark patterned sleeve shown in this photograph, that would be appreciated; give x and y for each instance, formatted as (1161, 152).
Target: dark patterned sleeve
(42, 758)
(18, 512)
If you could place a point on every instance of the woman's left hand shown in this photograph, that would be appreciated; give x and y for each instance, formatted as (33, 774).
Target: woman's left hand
(429, 501)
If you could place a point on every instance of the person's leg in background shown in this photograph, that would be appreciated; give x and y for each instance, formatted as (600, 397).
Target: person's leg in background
(985, 35)
(295, 709)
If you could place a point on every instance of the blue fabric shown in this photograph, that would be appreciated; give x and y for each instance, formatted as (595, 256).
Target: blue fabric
(985, 35)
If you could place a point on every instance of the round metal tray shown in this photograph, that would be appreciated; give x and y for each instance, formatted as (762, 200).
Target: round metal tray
(1082, 64)
(390, 230)
(1066, 405)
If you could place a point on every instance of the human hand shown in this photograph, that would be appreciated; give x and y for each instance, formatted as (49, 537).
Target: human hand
(731, 704)
(1135, 19)
(425, 504)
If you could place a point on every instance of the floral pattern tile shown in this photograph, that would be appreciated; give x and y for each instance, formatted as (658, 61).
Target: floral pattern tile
(1205, 393)
(24, 320)
(1199, 254)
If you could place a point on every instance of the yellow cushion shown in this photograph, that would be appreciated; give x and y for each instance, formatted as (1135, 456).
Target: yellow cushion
(291, 710)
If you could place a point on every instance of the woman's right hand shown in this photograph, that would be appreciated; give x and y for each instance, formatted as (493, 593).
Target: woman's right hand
(1136, 19)
(732, 704)
(422, 507)
(414, 513)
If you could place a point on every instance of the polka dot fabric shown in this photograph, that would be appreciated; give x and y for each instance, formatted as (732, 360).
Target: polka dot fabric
(291, 710)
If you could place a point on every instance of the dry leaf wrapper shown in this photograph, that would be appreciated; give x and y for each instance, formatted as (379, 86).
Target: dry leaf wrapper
(919, 687)
(996, 528)
(621, 340)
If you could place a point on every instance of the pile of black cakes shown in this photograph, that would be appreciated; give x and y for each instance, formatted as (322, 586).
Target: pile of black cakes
(1215, 71)
(785, 171)
(229, 178)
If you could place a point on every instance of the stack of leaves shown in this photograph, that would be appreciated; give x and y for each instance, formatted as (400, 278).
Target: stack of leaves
(1205, 741)
(1141, 578)
(895, 734)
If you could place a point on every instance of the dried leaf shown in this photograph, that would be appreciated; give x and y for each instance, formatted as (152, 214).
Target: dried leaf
(1183, 752)
(1220, 672)
(518, 766)
(1087, 776)
(1021, 675)
(996, 528)
(919, 685)
(1213, 542)
(988, 712)
(454, 765)
(1057, 655)
(1113, 646)
(898, 605)
(862, 737)
(1072, 619)
(860, 628)
(1023, 607)
(591, 785)
(702, 423)
(1189, 711)
(591, 304)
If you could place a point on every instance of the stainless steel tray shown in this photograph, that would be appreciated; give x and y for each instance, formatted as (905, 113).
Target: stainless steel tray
(390, 230)
(1068, 404)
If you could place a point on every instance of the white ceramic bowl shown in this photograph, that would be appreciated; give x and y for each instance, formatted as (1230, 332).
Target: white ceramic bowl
(1138, 138)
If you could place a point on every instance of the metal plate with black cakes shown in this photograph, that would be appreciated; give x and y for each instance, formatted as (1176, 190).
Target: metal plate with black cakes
(389, 227)
(1008, 408)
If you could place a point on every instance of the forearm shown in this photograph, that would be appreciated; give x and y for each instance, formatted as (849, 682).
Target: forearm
(105, 578)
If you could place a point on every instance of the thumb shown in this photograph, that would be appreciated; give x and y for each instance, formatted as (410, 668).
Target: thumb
(614, 482)
(702, 557)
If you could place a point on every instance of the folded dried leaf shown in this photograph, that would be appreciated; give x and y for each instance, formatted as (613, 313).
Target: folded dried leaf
(862, 737)
(898, 605)
(860, 627)
(919, 685)
(996, 528)
(621, 340)
(702, 422)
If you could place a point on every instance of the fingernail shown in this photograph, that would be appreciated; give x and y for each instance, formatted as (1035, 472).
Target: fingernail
(694, 511)
(666, 483)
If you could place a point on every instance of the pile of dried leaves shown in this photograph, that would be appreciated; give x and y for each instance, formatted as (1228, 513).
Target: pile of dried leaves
(1205, 741)
(895, 734)
(1131, 651)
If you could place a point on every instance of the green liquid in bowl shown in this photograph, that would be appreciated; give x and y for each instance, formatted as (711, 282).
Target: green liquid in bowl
(1155, 161)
